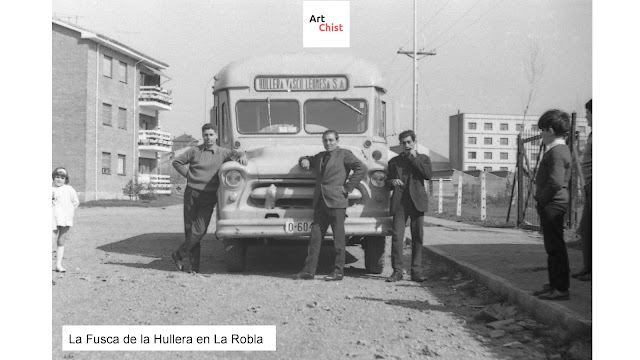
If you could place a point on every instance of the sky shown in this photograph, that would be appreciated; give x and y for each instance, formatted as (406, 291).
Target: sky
(482, 48)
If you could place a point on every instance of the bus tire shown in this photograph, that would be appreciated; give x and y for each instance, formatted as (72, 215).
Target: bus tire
(374, 254)
(235, 251)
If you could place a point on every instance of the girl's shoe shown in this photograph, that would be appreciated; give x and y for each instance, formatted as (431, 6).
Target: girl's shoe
(59, 268)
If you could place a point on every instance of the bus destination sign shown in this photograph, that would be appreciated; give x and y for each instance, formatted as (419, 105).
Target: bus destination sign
(301, 83)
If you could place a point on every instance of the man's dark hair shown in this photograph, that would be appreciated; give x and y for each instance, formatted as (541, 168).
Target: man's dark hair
(588, 106)
(406, 133)
(557, 120)
(208, 126)
(330, 132)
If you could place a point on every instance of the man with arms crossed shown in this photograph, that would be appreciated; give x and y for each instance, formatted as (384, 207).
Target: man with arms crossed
(333, 185)
(407, 173)
(200, 165)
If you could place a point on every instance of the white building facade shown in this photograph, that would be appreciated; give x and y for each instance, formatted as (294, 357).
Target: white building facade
(488, 142)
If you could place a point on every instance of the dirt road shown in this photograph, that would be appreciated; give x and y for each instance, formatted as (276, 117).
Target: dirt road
(120, 273)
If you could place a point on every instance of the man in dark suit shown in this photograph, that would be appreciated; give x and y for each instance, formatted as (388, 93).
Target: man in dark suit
(407, 173)
(333, 185)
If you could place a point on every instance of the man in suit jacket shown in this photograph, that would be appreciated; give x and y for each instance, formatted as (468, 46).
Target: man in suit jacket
(407, 173)
(333, 185)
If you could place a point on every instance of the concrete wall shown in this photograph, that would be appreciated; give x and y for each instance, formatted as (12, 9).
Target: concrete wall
(78, 142)
(69, 105)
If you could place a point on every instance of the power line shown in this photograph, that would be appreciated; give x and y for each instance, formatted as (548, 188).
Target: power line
(473, 23)
(431, 18)
(456, 22)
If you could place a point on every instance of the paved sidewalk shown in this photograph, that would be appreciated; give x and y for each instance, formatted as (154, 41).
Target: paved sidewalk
(513, 263)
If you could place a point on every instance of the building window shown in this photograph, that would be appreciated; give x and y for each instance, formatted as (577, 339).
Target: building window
(488, 155)
(504, 141)
(122, 72)
(106, 114)
(472, 154)
(107, 66)
(487, 168)
(488, 141)
(504, 168)
(504, 156)
(472, 126)
(472, 140)
(106, 163)
(534, 127)
(122, 118)
(122, 162)
(518, 127)
(471, 168)
(504, 127)
(582, 129)
(534, 156)
(488, 126)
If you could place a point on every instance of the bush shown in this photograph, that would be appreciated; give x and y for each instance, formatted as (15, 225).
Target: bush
(132, 189)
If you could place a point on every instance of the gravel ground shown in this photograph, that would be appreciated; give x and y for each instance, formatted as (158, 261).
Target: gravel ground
(120, 273)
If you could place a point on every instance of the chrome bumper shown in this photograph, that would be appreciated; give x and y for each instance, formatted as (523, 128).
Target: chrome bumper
(275, 228)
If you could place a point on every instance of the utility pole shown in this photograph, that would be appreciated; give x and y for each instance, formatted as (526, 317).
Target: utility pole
(414, 54)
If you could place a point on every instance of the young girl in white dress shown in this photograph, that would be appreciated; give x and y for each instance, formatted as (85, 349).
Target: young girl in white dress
(64, 202)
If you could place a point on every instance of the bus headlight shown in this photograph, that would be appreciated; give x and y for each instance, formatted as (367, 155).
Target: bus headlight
(378, 178)
(233, 178)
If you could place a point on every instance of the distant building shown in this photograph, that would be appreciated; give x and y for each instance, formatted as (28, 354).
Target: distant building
(106, 104)
(183, 141)
(488, 142)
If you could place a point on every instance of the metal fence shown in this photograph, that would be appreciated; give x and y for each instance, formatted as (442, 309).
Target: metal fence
(530, 152)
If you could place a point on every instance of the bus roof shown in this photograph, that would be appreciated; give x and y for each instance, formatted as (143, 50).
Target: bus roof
(242, 73)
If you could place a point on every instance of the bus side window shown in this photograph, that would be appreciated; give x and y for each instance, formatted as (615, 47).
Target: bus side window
(383, 120)
(224, 129)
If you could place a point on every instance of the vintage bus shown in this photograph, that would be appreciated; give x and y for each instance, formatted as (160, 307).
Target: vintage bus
(275, 109)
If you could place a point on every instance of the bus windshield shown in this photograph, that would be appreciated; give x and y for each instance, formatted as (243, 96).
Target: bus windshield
(343, 115)
(268, 116)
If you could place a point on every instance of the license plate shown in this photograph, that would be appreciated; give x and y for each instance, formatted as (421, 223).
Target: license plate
(297, 226)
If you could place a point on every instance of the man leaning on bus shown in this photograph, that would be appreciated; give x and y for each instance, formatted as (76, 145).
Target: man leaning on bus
(200, 165)
(330, 201)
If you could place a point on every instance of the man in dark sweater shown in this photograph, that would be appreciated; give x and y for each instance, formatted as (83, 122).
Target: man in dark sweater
(200, 165)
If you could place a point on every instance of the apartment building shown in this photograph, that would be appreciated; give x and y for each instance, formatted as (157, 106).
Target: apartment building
(106, 103)
(488, 142)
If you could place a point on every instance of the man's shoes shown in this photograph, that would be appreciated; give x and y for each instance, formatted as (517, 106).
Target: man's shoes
(302, 275)
(177, 261)
(582, 272)
(545, 289)
(396, 276)
(417, 277)
(334, 277)
(585, 277)
(555, 295)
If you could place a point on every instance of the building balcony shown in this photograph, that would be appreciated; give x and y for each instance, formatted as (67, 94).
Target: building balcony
(154, 140)
(155, 98)
(158, 184)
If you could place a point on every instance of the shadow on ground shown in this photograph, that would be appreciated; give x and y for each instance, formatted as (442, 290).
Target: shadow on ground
(276, 260)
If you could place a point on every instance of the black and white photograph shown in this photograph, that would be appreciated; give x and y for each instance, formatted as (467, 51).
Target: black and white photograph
(288, 179)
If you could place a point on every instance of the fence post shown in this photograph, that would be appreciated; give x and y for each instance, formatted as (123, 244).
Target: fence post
(483, 196)
(572, 179)
(440, 196)
(459, 206)
(520, 180)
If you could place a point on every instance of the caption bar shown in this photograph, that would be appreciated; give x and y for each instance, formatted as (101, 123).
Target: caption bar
(168, 338)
